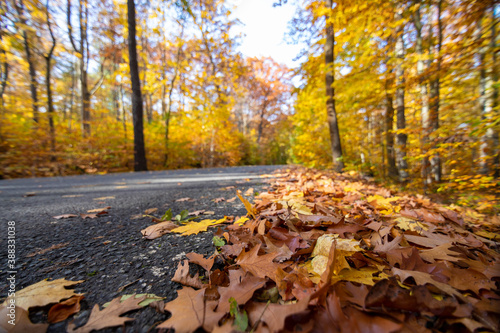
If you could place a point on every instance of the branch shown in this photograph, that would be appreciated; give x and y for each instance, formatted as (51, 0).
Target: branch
(70, 29)
(49, 55)
(98, 83)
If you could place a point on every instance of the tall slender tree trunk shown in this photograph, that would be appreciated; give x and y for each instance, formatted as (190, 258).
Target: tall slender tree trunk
(435, 161)
(140, 163)
(424, 97)
(30, 60)
(392, 171)
(50, 110)
(487, 101)
(401, 138)
(83, 51)
(330, 93)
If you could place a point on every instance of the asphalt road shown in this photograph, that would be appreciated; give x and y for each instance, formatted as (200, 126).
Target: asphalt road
(108, 252)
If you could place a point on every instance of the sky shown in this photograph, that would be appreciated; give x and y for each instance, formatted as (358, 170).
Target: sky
(264, 28)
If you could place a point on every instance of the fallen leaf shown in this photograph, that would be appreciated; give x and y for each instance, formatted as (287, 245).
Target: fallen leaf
(231, 200)
(182, 199)
(53, 247)
(274, 315)
(247, 204)
(190, 311)
(199, 260)
(217, 200)
(182, 276)
(259, 266)
(110, 316)
(61, 311)
(147, 299)
(193, 228)
(197, 212)
(104, 198)
(157, 230)
(422, 278)
(249, 192)
(150, 211)
(98, 210)
(242, 291)
(43, 293)
(22, 323)
(64, 216)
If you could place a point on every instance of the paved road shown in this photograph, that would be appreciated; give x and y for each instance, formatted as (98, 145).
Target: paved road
(109, 252)
(29, 197)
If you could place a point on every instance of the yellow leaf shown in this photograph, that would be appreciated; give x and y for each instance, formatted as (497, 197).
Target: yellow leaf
(344, 247)
(241, 220)
(247, 204)
(43, 293)
(405, 223)
(193, 228)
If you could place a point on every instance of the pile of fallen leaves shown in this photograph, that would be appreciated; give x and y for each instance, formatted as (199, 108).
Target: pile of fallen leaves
(324, 253)
(319, 252)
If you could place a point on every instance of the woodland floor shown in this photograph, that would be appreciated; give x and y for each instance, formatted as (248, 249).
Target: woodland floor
(317, 252)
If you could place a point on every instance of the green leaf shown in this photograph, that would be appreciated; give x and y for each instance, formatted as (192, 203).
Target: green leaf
(218, 241)
(240, 317)
(167, 216)
(184, 214)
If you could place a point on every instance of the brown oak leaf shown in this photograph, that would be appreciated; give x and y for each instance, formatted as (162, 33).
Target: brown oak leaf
(190, 311)
(182, 276)
(109, 316)
(240, 291)
(260, 266)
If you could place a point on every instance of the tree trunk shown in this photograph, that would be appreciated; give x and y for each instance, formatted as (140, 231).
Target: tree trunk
(83, 51)
(50, 110)
(330, 93)
(435, 162)
(30, 60)
(389, 135)
(140, 163)
(488, 156)
(424, 97)
(401, 138)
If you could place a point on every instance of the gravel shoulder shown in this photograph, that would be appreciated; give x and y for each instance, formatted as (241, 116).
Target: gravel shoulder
(108, 252)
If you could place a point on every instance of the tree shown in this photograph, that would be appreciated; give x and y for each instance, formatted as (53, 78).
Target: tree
(330, 91)
(48, 62)
(401, 137)
(140, 163)
(29, 58)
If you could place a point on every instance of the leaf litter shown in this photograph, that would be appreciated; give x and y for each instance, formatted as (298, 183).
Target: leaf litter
(342, 255)
(318, 252)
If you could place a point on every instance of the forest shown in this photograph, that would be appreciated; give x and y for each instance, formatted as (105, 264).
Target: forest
(405, 91)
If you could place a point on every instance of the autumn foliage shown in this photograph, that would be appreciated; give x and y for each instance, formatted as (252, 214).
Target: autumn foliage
(329, 253)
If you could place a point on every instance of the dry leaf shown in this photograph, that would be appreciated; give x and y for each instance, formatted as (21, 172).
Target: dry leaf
(190, 311)
(157, 230)
(22, 322)
(110, 316)
(247, 204)
(61, 311)
(259, 266)
(104, 198)
(274, 315)
(242, 291)
(98, 210)
(44, 292)
(193, 228)
(150, 211)
(64, 216)
(182, 276)
(182, 199)
(199, 260)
